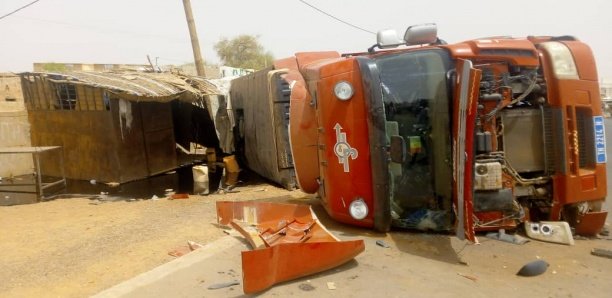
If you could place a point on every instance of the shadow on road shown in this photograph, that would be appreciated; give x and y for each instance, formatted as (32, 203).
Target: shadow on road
(435, 247)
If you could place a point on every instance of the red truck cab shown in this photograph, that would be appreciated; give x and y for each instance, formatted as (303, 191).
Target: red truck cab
(478, 135)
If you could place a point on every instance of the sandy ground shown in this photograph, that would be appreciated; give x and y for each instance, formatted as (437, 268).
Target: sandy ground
(78, 247)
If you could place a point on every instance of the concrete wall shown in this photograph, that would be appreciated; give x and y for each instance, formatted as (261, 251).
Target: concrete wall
(14, 127)
(11, 97)
(212, 71)
(15, 131)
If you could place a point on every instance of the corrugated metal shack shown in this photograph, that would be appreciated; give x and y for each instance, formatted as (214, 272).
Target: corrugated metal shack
(116, 127)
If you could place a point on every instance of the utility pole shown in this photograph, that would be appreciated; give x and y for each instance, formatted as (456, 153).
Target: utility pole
(195, 44)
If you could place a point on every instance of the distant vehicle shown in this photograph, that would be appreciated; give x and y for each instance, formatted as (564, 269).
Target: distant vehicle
(416, 133)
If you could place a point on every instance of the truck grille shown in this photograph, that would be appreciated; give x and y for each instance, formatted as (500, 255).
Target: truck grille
(586, 138)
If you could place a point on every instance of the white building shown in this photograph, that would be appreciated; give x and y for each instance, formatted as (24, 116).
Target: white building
(606, 89)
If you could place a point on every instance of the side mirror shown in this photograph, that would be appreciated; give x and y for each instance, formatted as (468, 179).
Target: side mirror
(387, 39)
(398, 149)
(421, 34)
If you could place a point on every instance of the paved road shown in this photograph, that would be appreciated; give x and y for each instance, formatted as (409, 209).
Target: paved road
(415, 265)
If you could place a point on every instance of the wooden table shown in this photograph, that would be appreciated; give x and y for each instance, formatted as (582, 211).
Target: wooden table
(36, 152)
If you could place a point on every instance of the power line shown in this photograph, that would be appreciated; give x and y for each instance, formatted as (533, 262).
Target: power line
(334, 17)
(18, 9)
(106, 29)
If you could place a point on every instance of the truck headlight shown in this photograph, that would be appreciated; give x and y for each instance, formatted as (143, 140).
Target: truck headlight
(358, 209)
(343, 90)
(563, 63)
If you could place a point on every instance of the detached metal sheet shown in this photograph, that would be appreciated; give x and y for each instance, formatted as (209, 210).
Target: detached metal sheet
(288, 240)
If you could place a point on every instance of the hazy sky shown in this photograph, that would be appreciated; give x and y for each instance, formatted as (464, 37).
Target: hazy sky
(125, 31)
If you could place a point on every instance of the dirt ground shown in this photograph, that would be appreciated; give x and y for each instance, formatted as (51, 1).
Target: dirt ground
(78, 247)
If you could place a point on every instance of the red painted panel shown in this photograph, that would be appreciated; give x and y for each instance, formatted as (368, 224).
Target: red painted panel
(344, 144)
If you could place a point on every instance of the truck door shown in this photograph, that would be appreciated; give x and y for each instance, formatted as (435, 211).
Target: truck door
(464, 121)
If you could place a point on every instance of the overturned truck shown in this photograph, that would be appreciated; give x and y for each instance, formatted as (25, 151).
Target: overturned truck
(479, 135)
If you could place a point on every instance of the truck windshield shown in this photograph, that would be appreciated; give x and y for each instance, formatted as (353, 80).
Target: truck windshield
(416, 99)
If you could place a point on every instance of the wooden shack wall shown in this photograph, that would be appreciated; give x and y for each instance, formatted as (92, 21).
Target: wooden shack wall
(89, 149)
(97, 141)
(146, 146)
(128, 142)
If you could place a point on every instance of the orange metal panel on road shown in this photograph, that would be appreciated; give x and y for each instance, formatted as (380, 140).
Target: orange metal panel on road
(296, 243)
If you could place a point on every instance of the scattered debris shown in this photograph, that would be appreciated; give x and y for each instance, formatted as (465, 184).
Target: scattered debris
(331, 285)
(600, 252)
(113, 184)
(533, 268)
(200, 180)
(306, 287)
(228, 189)
(502, 236)
(230, 163)
(185, 249)
(155, 198)
(169, 192)
(179, 196)
(231, 232)
(223, 285)
(550, 231)
(260, 189)
(472, 278)
(590, 224)
(93, 181)
(382, 243)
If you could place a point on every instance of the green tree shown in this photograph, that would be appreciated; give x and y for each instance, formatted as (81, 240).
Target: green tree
(243, 51)
(54, 67)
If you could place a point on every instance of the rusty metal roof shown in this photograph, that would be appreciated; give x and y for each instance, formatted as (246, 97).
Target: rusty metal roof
(136, 86)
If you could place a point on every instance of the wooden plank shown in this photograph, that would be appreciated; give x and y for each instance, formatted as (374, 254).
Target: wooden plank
(80, 98)
(37, 86)
(250, 233)
(98, 101)
(91, 104)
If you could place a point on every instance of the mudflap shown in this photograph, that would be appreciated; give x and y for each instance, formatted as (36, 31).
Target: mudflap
(288, 242)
